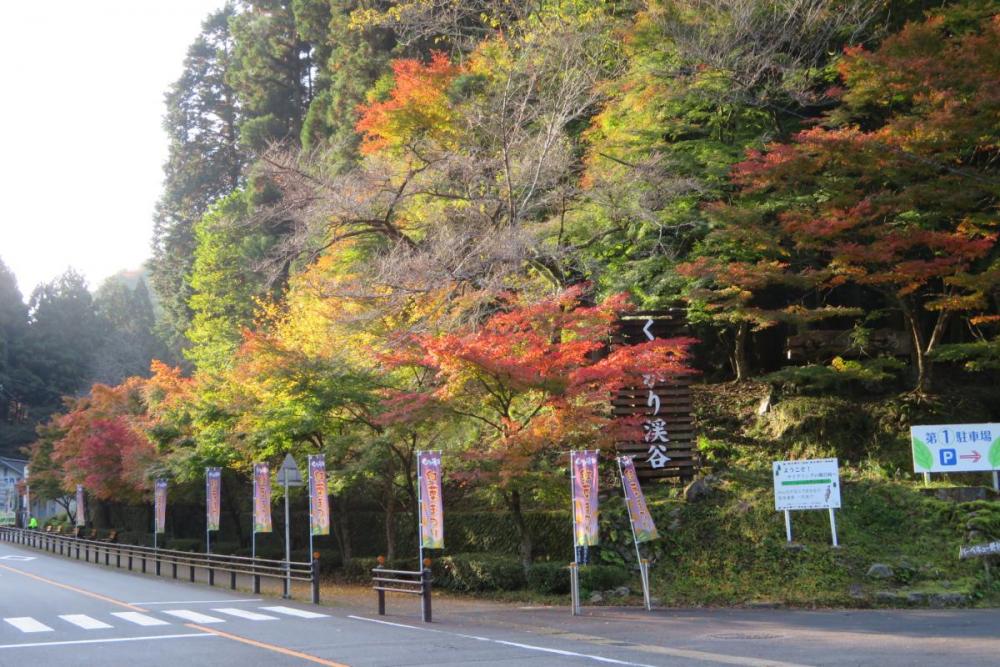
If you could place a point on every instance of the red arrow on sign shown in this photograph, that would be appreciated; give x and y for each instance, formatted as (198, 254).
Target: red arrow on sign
(975, 456)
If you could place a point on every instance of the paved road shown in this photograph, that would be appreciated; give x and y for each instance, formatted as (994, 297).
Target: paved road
(54, 611)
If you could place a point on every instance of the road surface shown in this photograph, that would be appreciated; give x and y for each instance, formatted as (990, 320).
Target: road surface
(55, 611)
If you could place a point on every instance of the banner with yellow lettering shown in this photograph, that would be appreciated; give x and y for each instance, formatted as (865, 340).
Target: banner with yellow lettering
(431, 505)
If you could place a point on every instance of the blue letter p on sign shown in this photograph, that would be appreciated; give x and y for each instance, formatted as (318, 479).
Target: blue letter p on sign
(948, 457)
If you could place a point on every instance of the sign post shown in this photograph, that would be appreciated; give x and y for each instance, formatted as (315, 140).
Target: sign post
(807, 485)
(429, 502)
(583, 482)
(288, 475)
(956, 448)
(643, 528)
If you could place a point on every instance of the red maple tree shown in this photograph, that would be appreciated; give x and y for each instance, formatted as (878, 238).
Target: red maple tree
(532, 382)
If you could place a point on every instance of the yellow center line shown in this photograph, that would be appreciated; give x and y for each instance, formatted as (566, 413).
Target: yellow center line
(81, 591)
(269, 647)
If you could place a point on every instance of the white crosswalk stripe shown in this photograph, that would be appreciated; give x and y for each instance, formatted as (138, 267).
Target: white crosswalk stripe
(27, 624)
(103, 622)
(193, 616)
(138, 619)
(85, 622)
(243, 613)
(291, 611)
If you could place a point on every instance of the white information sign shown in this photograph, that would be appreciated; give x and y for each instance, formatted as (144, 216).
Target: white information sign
(806, 485)
(955, 447)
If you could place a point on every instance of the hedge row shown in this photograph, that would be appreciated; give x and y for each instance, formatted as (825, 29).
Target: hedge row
(484, 572)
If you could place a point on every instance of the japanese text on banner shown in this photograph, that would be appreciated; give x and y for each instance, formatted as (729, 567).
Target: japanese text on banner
(81, 510)
(261, 498)
(584, 468)
(638, 512)
(431, 505)
(160, 505)
(319, 501)
(213, 496)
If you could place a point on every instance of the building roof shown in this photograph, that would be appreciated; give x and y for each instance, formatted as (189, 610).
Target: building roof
(17, 465)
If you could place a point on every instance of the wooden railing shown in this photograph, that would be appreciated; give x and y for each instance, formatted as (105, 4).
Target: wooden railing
(410, 582)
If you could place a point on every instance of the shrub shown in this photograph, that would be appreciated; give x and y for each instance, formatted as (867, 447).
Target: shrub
(225, 547)
(183, 544)
(549, 578)
(479, 572)
(601, 577)
(360, 569)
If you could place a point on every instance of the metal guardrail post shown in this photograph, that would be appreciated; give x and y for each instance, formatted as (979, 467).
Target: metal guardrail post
(173, 568)
(425, 594)
(144, 563)
(315, 577)
(211, 572)
(381, 602)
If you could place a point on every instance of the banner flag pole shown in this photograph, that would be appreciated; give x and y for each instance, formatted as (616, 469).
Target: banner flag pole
(643, 565)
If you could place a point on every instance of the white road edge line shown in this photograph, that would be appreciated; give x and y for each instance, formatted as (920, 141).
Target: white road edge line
(108, 641)
(139, 604)
(543, 649)
(704, 656)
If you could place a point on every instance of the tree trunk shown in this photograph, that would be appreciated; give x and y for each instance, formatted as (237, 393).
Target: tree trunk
(341, 529)
(740, 361)
(390, 523)
(514, 505)
(923, 346)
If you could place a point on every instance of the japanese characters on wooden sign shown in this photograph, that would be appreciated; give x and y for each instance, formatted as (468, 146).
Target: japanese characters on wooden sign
(664, 443)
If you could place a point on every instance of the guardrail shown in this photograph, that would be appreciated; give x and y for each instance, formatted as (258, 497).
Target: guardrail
(417, 582)
(256, 568)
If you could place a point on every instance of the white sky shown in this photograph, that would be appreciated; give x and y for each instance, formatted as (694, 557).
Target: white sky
(81, 146)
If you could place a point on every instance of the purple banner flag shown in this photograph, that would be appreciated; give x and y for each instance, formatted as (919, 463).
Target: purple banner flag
(81, 509)
(642, 523)
(261, 498)
(213, 496)
(160, 505)
(431, 503)
(319, 501)
(584, 471)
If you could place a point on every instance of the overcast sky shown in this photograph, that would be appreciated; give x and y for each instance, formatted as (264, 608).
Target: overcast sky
(83, 149)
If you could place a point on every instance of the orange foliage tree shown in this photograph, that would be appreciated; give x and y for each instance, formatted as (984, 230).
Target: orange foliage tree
(532, 382)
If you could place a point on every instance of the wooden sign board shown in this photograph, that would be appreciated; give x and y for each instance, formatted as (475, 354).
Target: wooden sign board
(979, 550)
(664, 444)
